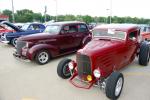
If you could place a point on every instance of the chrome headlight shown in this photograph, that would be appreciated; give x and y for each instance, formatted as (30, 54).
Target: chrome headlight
(71, 66)
(97, 73)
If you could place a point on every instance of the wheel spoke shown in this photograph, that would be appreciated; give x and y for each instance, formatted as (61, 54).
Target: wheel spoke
(43, 57)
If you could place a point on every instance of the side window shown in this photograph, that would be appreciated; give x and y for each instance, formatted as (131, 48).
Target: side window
(82, 28)
(36, 27)
(70, 29)
(133, 35)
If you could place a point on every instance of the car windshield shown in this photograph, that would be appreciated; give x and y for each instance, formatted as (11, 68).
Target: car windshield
(52, 29)
(25, 26)
(110, 33)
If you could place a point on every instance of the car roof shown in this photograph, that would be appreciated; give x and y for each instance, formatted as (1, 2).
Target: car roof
(67, 22)
(121, 27)
(34, 23)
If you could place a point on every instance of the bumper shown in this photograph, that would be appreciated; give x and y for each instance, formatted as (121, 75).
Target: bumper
(16, 55)
(6, 42)
(87, 86)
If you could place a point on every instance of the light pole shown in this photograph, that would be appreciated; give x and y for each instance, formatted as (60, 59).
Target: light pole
(107, 15)
(13, 17)
(45, 14)
(110, 11)
(56, 10)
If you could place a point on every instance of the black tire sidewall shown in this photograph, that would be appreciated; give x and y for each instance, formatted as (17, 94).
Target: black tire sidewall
(61, 66)
(111, 85)
(144, 54)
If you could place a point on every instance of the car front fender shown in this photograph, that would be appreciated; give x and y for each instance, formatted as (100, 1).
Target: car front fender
(86, 40)
(53, 50)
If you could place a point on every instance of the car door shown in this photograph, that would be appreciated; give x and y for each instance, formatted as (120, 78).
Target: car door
(132, 44)
(81, 34)
(130, 48)
(66, 39)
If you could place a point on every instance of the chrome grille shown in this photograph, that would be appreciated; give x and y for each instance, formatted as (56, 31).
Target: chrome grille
(83, 65)
(19, 46)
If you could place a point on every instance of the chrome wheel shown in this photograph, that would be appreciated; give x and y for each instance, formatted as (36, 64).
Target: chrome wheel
(43, 57)
(118, 86)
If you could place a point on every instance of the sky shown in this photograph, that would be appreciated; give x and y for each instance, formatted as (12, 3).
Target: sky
(121, 8)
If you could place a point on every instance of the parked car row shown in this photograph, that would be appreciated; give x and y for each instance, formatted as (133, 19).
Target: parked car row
(100, 54)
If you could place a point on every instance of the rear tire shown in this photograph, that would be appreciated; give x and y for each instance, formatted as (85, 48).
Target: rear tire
(63, 69)
(144, 54)
(114, 85)
(42, 57)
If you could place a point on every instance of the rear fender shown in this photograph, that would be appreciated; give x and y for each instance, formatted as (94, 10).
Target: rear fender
(50, 48)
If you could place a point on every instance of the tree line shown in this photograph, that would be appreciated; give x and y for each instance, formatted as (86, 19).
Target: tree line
(26, 15)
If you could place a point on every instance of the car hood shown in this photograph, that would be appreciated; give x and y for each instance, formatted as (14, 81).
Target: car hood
(12, 26)
(36, 37)
(99, 47)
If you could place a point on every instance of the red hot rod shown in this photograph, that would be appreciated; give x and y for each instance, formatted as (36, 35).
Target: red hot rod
(113, 47)
(58, 39)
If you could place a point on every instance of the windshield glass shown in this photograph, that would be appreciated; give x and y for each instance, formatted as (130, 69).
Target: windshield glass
(53, 29)
(25, 26)
(109, 33)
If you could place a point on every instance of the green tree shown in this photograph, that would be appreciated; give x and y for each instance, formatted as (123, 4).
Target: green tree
(87, 19)
(8, 13)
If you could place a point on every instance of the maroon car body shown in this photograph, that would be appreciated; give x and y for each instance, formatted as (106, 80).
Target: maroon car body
(113, 47)
(59, 38)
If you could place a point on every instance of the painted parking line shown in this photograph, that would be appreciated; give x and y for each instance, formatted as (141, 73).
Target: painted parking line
(136, 74)
(28, 98)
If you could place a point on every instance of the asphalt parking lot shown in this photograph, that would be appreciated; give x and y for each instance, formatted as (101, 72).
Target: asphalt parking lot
(20, 80)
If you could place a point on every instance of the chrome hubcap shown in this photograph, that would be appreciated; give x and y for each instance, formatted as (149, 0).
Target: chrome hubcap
(43, 57)
(118, 86)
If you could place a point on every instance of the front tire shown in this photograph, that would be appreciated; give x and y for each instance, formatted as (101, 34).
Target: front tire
(114, 85)
(144, 55)
(63, 69)
(42, 57)
(14, 41)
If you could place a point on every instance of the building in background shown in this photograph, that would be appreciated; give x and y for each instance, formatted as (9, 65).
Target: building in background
(4, 17)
